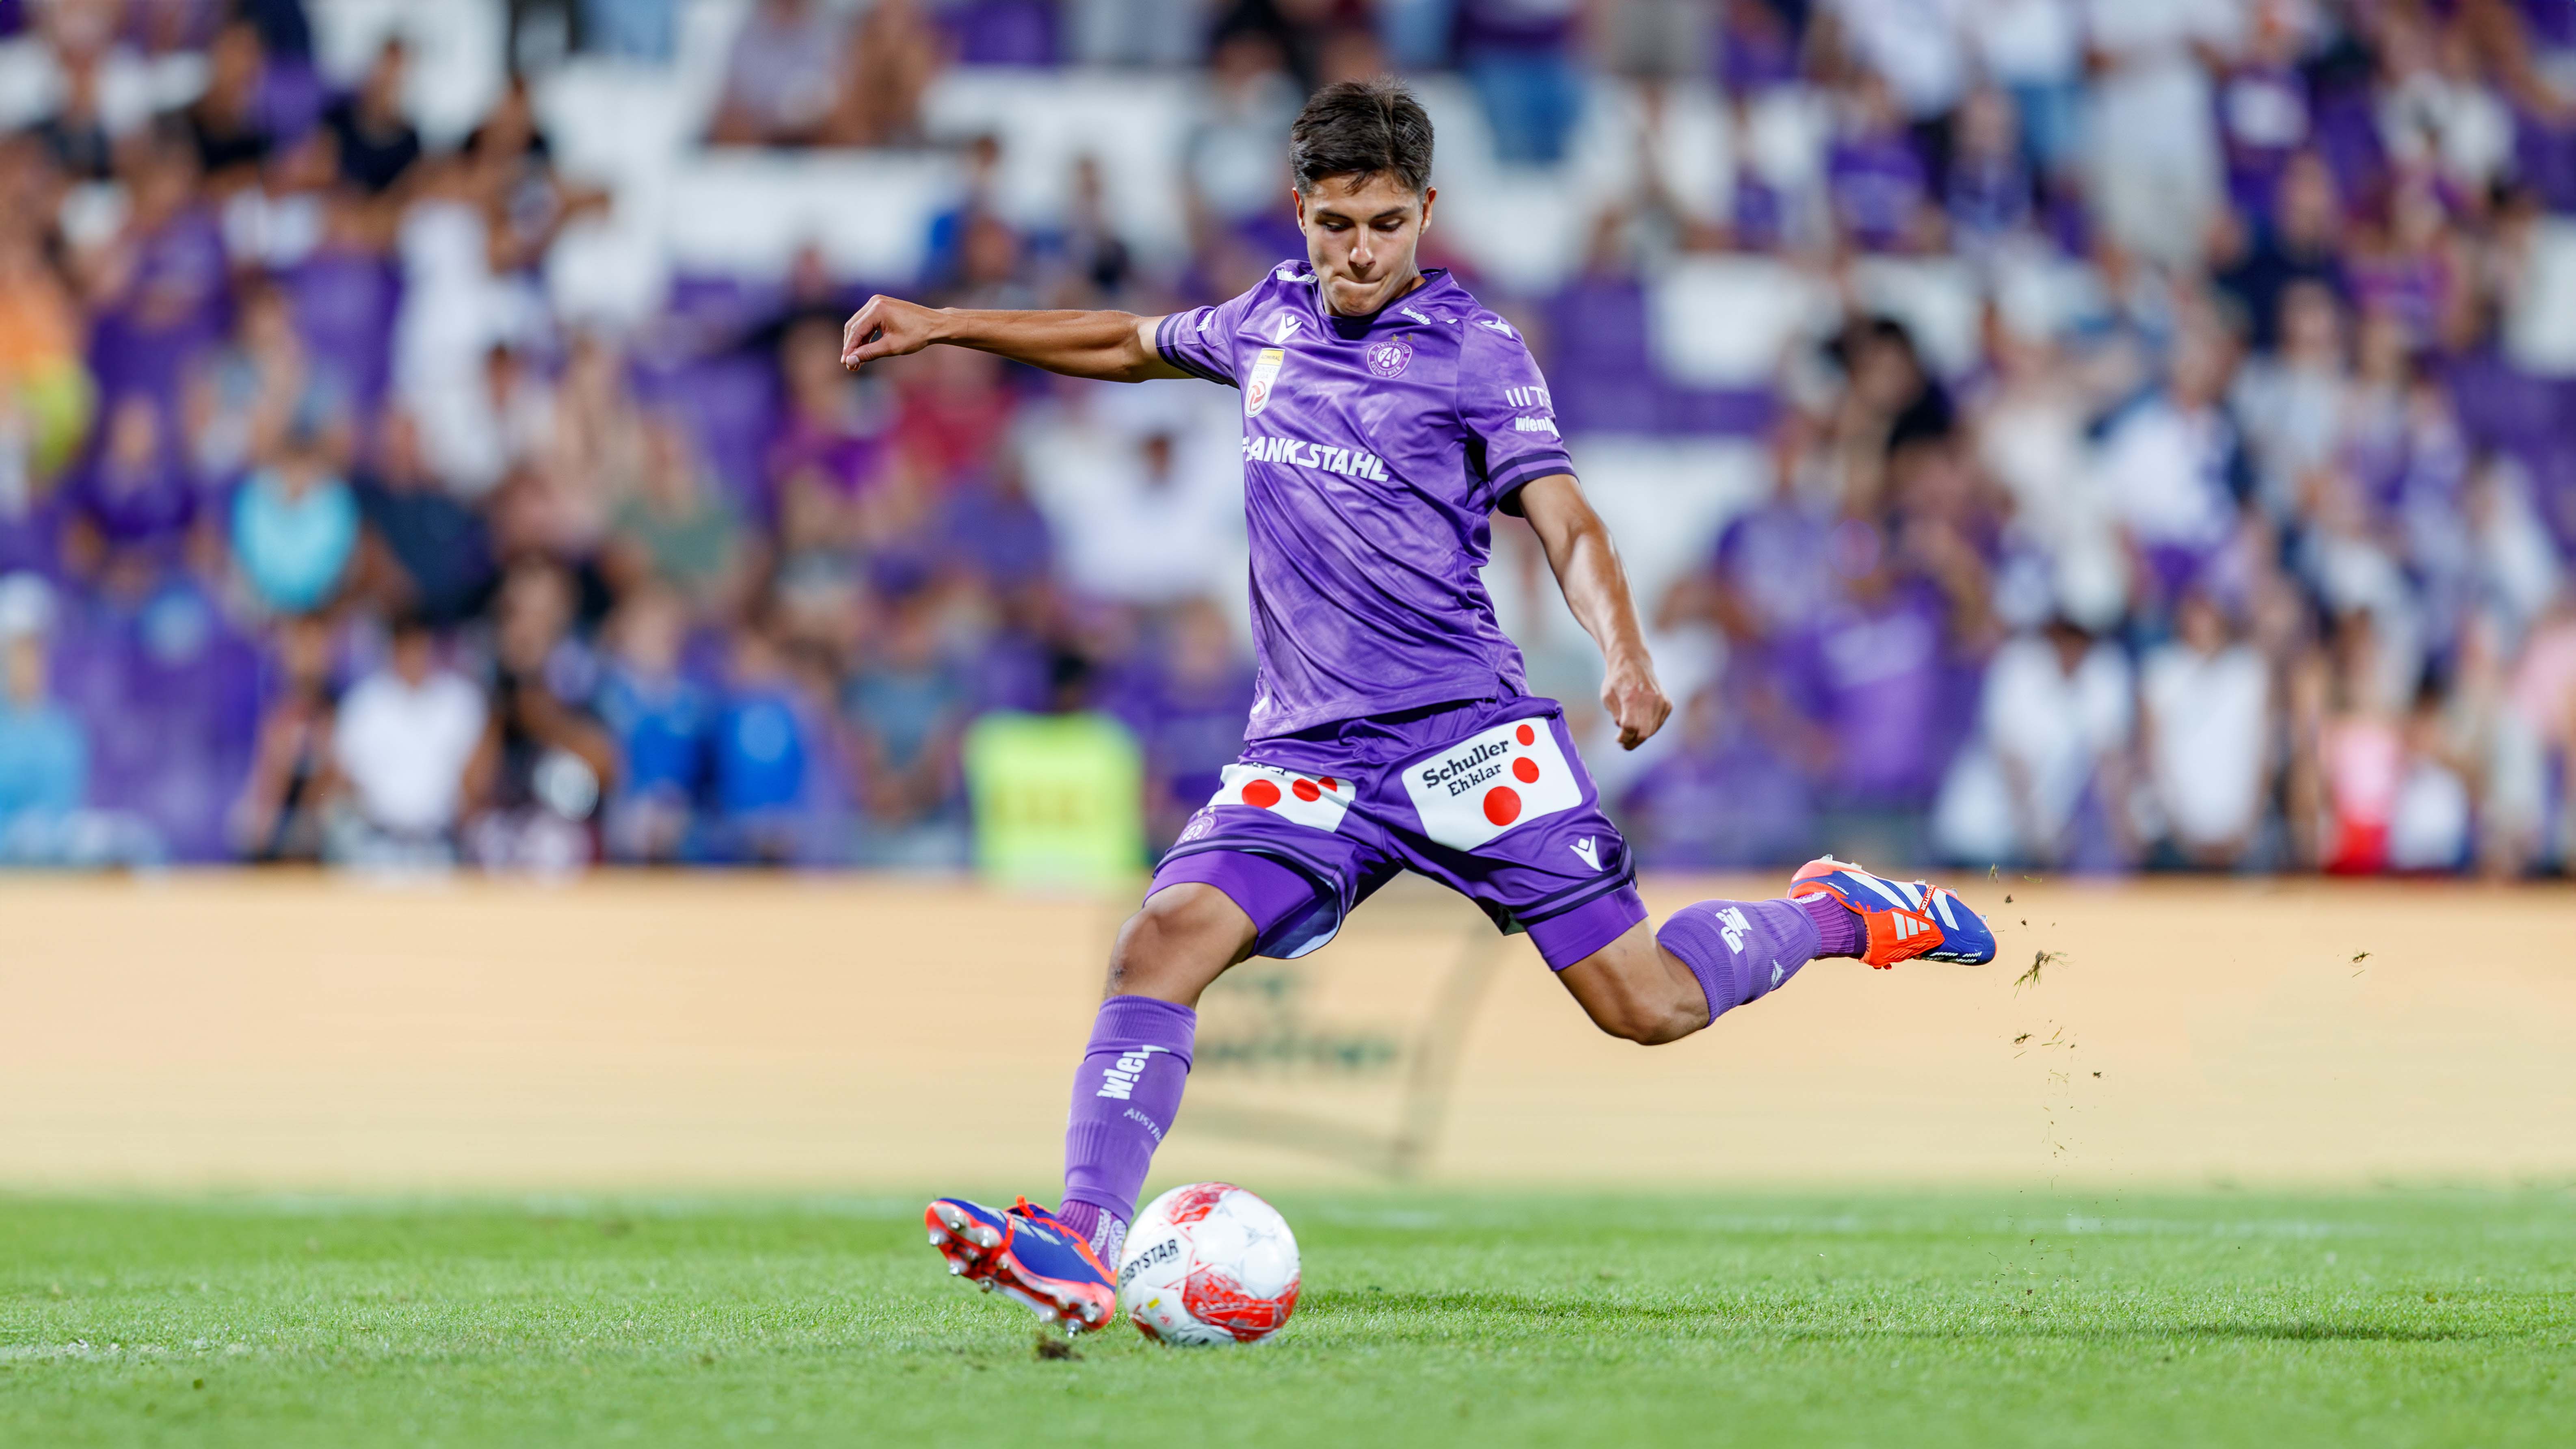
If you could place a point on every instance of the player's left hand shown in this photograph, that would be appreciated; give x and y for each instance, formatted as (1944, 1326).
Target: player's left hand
(1636, 703)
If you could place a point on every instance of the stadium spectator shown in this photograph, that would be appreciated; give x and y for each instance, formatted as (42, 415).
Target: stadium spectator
(763, 733)
(279, 816)
(552, 761)
(783, 76)
(425, 551)
(46, 394)
(135, 491)
(262, 383)
(660, 720)
(676, 529)
(2040, 784)
(894, 53)
(411, 744)
(1520, 56)
(2205, 719)
(76, 135)
(645, 30)
(904, 710)
(1232, 154)
(227, 123)
(295, 527)
(44, 752)
(377, 142)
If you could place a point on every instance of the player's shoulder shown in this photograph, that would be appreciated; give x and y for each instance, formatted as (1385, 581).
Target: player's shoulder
(1481, 328)
(1288, 278)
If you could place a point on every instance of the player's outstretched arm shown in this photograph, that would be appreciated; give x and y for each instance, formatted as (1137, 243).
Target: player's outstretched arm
(1115, 346)
(1596, 588)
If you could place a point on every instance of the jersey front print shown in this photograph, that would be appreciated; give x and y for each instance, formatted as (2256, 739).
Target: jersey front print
(1375, 450)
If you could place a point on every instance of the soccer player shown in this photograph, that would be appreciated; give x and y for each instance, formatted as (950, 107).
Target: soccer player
(1386, 417)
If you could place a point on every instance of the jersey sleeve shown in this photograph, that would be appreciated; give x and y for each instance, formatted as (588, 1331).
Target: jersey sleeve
(1512, 437)
(1200, 341)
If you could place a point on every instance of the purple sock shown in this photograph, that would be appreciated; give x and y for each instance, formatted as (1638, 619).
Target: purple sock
(1837, 925)
(1125, 1095)
(1741, 950)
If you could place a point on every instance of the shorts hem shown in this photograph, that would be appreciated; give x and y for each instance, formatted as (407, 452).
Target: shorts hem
(1571, 935)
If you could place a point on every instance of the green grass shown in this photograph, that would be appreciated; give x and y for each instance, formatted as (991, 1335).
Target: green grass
(2396, 1319)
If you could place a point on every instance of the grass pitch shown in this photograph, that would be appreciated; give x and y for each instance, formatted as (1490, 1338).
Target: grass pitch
(2218, 1319)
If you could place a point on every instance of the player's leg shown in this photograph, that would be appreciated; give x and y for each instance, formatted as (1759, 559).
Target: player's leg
(1269, 866)
(1713, 956)
(1203, 915)
(1658, 985)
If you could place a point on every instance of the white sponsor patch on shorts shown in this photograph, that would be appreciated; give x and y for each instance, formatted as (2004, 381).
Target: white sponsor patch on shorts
(1316, 800)
(1491, 783)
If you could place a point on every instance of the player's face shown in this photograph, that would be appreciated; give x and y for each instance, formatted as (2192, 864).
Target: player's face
(1360, 234)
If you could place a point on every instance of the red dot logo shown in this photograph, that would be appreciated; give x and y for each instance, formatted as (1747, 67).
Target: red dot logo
(1261, 793)
(1502, 804)
(1306, 790)
(1525, 770)
(1526, 735)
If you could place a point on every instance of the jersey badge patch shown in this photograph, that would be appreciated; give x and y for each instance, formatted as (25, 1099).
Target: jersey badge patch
(1390, 357)
(1265, 377)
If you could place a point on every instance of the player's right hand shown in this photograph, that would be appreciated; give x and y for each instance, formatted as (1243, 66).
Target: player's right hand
(885, 327)
(1635, 702)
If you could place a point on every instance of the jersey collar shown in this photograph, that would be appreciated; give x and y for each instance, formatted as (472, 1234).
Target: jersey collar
(1435, 299)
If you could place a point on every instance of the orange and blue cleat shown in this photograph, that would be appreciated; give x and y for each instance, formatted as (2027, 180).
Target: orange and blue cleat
(1901, 920)
(1028, 1254)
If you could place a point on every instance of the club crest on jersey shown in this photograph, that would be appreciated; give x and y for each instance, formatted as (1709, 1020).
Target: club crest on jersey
(1265, 377)
(1492, 782)
(1389, 358)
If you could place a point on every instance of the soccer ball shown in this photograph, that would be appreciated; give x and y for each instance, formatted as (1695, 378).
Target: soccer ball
(1209, 1263)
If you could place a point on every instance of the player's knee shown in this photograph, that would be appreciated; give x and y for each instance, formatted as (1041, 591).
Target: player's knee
(1647, 1022)
(1177, 942)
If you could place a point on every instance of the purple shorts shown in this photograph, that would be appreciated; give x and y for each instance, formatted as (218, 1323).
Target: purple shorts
(1486, 797)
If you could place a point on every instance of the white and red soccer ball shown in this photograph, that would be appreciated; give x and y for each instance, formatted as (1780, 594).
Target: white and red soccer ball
(1209, 1263)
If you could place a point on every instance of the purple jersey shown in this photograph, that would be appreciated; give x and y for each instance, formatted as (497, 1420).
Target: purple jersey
(1375, 449)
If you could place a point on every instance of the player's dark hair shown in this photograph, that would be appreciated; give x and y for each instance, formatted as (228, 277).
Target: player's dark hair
(1362, 128)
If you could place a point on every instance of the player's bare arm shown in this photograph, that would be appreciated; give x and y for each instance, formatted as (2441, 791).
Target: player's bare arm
(1587, 568)
(1110, 346)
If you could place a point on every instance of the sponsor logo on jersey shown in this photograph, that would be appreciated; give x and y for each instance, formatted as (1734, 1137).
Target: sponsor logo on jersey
(1348, 462)
(1498, 324)
(1389, 357)
(1416, 316)
(1590, 851)
(1532, 396)
(1492, 782)
(1534, 425)
(1284, 328)
(1265, 377)
(1318, 801)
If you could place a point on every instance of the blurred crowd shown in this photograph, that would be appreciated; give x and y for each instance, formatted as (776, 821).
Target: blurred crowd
(324, 536)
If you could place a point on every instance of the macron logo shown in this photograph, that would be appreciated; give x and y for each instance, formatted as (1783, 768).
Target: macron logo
(1286, 329)
(1119, 1082)
(1498, 324)
(1590, 852)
